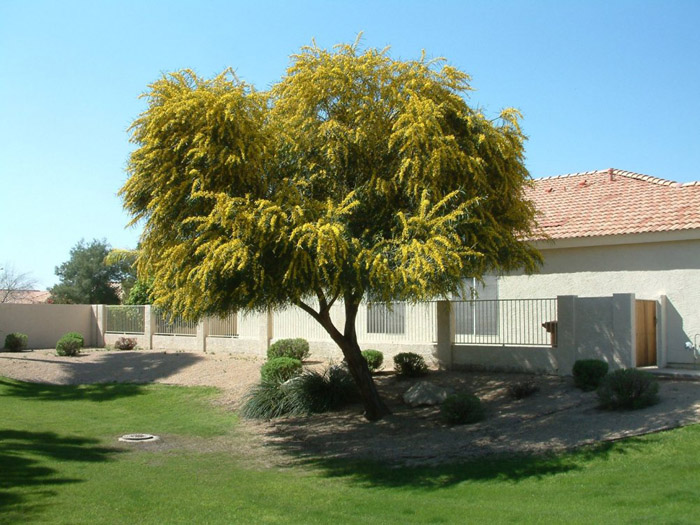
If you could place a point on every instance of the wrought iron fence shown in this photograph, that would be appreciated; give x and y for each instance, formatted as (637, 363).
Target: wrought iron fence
(224, 326)
(173, 325)
(520, 322)
(124, 319)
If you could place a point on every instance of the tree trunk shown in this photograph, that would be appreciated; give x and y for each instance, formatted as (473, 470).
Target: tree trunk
(374, 406)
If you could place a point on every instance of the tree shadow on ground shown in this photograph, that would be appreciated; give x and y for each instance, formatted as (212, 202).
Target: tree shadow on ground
(46, 392)
(135, 367)
(25, 462)
(499, 467)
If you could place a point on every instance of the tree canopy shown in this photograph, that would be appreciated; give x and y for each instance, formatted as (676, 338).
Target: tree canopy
(87, 279)
(357, 176)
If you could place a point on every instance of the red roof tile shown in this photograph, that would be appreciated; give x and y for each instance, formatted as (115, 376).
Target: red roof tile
(613, 202)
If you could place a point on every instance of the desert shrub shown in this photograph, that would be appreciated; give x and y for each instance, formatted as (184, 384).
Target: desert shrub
(588, 373)
(70, 344)
(374, 359)
(628, 388)
(314, 391)
(294, 348)
(408, 364)
(15, 342)
(125, 343)
(523, 389)
(280, 369)
(266, 400)
(461, 409)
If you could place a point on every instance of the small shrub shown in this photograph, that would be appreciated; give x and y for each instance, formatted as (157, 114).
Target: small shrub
(374, 359)
(523, 389)
(280, 369)
(294, 348)
(70, 344)
(125, 343)
(629, 389)
(314, 391)
(408, 364)
(15, 342)
(588, 373)
(461, 409)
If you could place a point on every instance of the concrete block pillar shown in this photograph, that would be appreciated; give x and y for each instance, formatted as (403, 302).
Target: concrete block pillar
(202, 333)
(565, 351)
(624, 336)
(662, 333)
(149, 325)
(445, 333)
(266, 330)
(99, 313)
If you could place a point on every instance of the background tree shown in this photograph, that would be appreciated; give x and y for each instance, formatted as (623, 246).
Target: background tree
(87, 279)
(134, 291)
(13, 284)
(355, 177)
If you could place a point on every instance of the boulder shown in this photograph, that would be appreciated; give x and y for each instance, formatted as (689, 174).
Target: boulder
(424, 393)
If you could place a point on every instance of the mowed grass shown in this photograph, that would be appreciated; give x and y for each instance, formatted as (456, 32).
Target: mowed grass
(60, 463)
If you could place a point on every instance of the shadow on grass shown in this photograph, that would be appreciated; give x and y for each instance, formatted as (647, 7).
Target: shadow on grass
(514, 468)
(45, 392)
(28, 462)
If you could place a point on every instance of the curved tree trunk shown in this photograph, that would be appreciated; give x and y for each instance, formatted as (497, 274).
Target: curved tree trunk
(374, 406)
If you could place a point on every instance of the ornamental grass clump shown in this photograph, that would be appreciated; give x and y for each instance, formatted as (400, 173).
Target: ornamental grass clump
(295, 348)
(70, 344)
(15, 342)
(308, 393)
(629, 389)
(461, 409)
(589, 373)
(408, 364)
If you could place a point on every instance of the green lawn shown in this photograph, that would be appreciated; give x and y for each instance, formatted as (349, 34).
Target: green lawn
(60, 463)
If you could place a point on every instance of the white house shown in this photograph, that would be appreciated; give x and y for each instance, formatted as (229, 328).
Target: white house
(614, 231)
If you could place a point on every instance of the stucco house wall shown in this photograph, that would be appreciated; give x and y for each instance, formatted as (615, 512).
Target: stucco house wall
(647, 265)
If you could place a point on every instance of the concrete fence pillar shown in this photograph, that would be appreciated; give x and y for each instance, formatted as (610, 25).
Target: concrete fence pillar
(566, 334)
(99, 312)
(149, 325)
(202, 333)
(662, 333)
(445, 333)
(266, 329)
(624, 336)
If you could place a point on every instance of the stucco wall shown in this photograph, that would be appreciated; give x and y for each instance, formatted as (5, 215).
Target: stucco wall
(648, 270)
(44, 324)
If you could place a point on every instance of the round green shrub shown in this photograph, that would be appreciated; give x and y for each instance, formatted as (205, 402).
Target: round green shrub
(294, 348)
(628, 389)
(461, 409)
(588, 373)
(374, 359)
(280, 369)
(408, 364)
(70, 344)
(15, 342)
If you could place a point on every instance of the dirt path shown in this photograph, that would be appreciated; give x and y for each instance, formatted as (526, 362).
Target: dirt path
(558, 417)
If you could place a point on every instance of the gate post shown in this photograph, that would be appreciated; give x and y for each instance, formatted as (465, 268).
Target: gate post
(445, 333)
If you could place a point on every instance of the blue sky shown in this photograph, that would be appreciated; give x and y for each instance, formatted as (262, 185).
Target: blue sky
(600, 84)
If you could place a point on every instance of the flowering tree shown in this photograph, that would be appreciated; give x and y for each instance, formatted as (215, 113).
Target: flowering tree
(356, 177)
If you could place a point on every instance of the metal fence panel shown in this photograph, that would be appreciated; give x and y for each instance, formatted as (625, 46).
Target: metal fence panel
(224, 327)
(124, 319)
(519, 322)
(174, 325)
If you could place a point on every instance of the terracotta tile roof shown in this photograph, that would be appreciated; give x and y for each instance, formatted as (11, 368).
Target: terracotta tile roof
(613, 202)
(25, 296)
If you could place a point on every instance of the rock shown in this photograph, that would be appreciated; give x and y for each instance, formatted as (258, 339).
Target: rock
(424, 393)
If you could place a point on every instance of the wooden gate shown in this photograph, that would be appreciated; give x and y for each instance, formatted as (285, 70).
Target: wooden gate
(645, 314)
